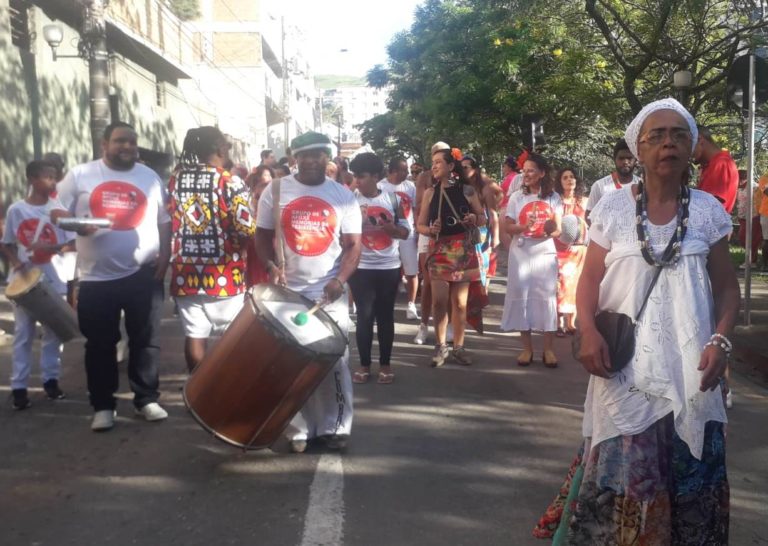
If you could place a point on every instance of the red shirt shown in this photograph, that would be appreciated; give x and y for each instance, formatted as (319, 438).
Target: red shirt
(720, 177)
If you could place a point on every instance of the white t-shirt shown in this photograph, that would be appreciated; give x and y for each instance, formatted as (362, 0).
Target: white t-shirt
(380, 251)
(313, 218)
(406, 191)
(604, 186)
(135, 202)
(21, 225)
(522, 205)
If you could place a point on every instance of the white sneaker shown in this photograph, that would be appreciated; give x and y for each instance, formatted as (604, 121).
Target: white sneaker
(729, 399)
(402, 287)
(103, 420)
(411, 313)
(422, 334)
(449, 334)
(152, 412)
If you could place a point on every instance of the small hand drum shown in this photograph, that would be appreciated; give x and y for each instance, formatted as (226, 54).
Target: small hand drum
(573, 230)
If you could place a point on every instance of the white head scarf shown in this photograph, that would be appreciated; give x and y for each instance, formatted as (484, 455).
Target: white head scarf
(632, 134)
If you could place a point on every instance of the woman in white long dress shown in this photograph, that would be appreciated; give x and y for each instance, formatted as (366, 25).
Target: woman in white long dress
(533, 219)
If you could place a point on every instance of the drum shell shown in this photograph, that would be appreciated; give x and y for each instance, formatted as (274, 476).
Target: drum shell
(49, 308)
(253, 382)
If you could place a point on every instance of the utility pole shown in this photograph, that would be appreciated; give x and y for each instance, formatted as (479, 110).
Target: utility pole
(95, 40)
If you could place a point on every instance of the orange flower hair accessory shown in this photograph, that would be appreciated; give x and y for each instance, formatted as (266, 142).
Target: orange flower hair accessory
(456, 153)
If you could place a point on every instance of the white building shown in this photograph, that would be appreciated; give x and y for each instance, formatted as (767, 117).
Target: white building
(260, 58)
(351, 106)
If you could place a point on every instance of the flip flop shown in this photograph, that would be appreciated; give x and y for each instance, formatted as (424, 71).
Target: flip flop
(385, 378)
(360, 376)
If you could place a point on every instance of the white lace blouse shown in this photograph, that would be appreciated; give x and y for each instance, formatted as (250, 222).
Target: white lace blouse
(662, 377)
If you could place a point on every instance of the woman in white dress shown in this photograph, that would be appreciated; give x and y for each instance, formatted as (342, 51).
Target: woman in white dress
(653, 461)
(533, 219)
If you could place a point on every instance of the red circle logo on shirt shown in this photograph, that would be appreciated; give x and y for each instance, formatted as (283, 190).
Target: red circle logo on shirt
(374, 237)
(121, 202)
(25, 234)
(405, 201)
(540, 211)
(310, 225)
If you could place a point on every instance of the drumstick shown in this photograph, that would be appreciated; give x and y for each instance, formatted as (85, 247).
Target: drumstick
(302, 318)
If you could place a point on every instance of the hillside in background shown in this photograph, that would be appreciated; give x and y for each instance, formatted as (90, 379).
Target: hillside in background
(330, 81)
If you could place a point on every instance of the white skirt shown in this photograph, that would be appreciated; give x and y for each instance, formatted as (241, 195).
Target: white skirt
(531, 299)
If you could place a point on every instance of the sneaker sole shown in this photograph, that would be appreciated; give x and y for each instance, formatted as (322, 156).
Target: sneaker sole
(149, 419)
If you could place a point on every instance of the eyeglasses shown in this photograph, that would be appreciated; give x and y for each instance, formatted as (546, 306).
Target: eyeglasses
(677, 135)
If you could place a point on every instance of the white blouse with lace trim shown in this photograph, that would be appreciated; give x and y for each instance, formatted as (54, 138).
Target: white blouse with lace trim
(663, 375)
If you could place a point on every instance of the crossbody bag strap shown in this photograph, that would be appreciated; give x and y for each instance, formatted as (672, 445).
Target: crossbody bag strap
(648, 293)
(453, 209)
(440, 208)
(279, 250)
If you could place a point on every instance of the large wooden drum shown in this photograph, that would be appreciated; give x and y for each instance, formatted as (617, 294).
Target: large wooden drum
(263, 369)
(30, 290)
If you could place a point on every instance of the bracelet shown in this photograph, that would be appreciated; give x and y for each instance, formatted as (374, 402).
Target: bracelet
(719, 345)
(271, 265)
(722, 339)
(338, 281)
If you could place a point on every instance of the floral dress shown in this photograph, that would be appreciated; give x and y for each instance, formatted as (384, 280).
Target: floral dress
(570, 262)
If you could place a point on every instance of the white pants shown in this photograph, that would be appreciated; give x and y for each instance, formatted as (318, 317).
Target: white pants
(329, 409)
(409, 256)
(50, 352)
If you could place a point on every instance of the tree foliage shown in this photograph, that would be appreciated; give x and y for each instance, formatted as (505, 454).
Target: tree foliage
(185, 9)
(467, 71)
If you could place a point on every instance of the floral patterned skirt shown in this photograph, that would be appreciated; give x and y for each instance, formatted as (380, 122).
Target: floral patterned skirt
(643, 490)
(453, 258)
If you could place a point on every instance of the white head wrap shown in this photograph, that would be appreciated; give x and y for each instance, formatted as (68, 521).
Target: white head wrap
(632, 134)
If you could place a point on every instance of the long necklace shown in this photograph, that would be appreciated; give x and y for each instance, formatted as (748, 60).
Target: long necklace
(671, 253)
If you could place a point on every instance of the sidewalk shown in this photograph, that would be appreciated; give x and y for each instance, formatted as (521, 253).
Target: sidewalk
(750, 343)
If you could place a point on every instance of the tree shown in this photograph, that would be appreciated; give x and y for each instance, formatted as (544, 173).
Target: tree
(185, 9)
(467, 71)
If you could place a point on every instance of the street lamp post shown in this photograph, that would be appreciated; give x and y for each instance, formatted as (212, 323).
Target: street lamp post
(93, 48)
(681, 81)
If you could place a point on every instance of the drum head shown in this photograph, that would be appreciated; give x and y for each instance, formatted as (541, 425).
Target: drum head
(278, 305)
(23, 281)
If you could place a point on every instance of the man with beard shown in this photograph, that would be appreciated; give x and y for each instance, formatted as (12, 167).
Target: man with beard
(624, 174)
(122, 269)
(320, 234)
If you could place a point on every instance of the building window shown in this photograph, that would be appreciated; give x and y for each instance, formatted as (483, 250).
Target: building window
(20, 36)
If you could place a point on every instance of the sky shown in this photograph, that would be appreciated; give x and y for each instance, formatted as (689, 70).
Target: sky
(362, 27)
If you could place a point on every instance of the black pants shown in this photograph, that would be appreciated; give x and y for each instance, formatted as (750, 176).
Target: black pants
(375, 291)
(140, 297)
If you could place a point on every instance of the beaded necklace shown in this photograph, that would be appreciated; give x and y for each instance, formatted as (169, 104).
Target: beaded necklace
(671, 253)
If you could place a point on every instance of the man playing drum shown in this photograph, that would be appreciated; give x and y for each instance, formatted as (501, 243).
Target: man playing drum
(31, 240)
(122, 269)
(319, 233)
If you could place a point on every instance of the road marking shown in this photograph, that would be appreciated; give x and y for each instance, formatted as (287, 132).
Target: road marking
(324, 521)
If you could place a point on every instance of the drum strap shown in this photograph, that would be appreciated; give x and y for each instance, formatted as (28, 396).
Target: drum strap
(279, 250)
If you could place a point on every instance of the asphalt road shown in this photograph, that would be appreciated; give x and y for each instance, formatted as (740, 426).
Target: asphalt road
(459, 456)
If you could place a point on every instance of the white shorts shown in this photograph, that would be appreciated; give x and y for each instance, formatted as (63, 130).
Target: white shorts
(764, 227)
(409, 256)
(423, 244)
(203, 316)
